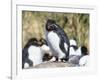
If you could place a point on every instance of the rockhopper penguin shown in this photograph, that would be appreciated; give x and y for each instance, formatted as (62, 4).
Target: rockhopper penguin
(57, 40)
(75, 56)
(31, 53)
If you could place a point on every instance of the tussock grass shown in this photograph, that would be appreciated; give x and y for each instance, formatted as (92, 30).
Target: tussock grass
(76, 25)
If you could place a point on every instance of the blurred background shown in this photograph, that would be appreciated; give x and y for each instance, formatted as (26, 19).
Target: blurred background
(76, 25)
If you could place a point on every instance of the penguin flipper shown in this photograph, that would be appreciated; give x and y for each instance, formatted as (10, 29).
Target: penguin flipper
(63, 46)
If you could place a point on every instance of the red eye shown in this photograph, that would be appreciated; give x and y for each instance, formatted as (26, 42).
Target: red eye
(49, 28)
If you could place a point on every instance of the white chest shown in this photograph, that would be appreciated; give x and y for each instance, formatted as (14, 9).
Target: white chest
(35, 55)
(54, 41)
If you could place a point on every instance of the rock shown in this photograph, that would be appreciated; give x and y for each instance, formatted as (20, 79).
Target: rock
(54, 65)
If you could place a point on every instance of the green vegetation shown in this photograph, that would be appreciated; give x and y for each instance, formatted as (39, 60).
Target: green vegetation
(76, 25)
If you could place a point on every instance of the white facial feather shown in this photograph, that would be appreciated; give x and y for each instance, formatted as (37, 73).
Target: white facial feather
(35, 55)
(53, 41)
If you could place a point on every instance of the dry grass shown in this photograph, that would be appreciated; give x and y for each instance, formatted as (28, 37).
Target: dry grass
(74, 24)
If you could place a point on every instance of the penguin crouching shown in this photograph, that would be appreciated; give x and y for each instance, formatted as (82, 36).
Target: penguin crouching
(80, 57)
(31, 53)
(57, 40)
(25, 53)
(84, 60)
(47, 55)
(35, 55)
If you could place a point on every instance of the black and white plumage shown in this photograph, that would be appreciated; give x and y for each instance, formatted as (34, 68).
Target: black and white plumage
(84, 60)
(82, 50)
(73, 47)
(73, 56)
(76, 55)
(31, 53)
(57, 40)
(47, 55)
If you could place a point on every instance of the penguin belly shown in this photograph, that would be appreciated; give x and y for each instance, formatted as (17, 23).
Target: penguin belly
(35, 55)
(53, 42)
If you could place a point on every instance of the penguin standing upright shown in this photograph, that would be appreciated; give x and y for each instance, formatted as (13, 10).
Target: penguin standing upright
(73, 56)
(57, 40)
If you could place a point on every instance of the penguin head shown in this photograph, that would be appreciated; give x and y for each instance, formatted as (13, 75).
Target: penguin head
(50, 25)
(43, 42)
(84, 50)
(32, 41)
